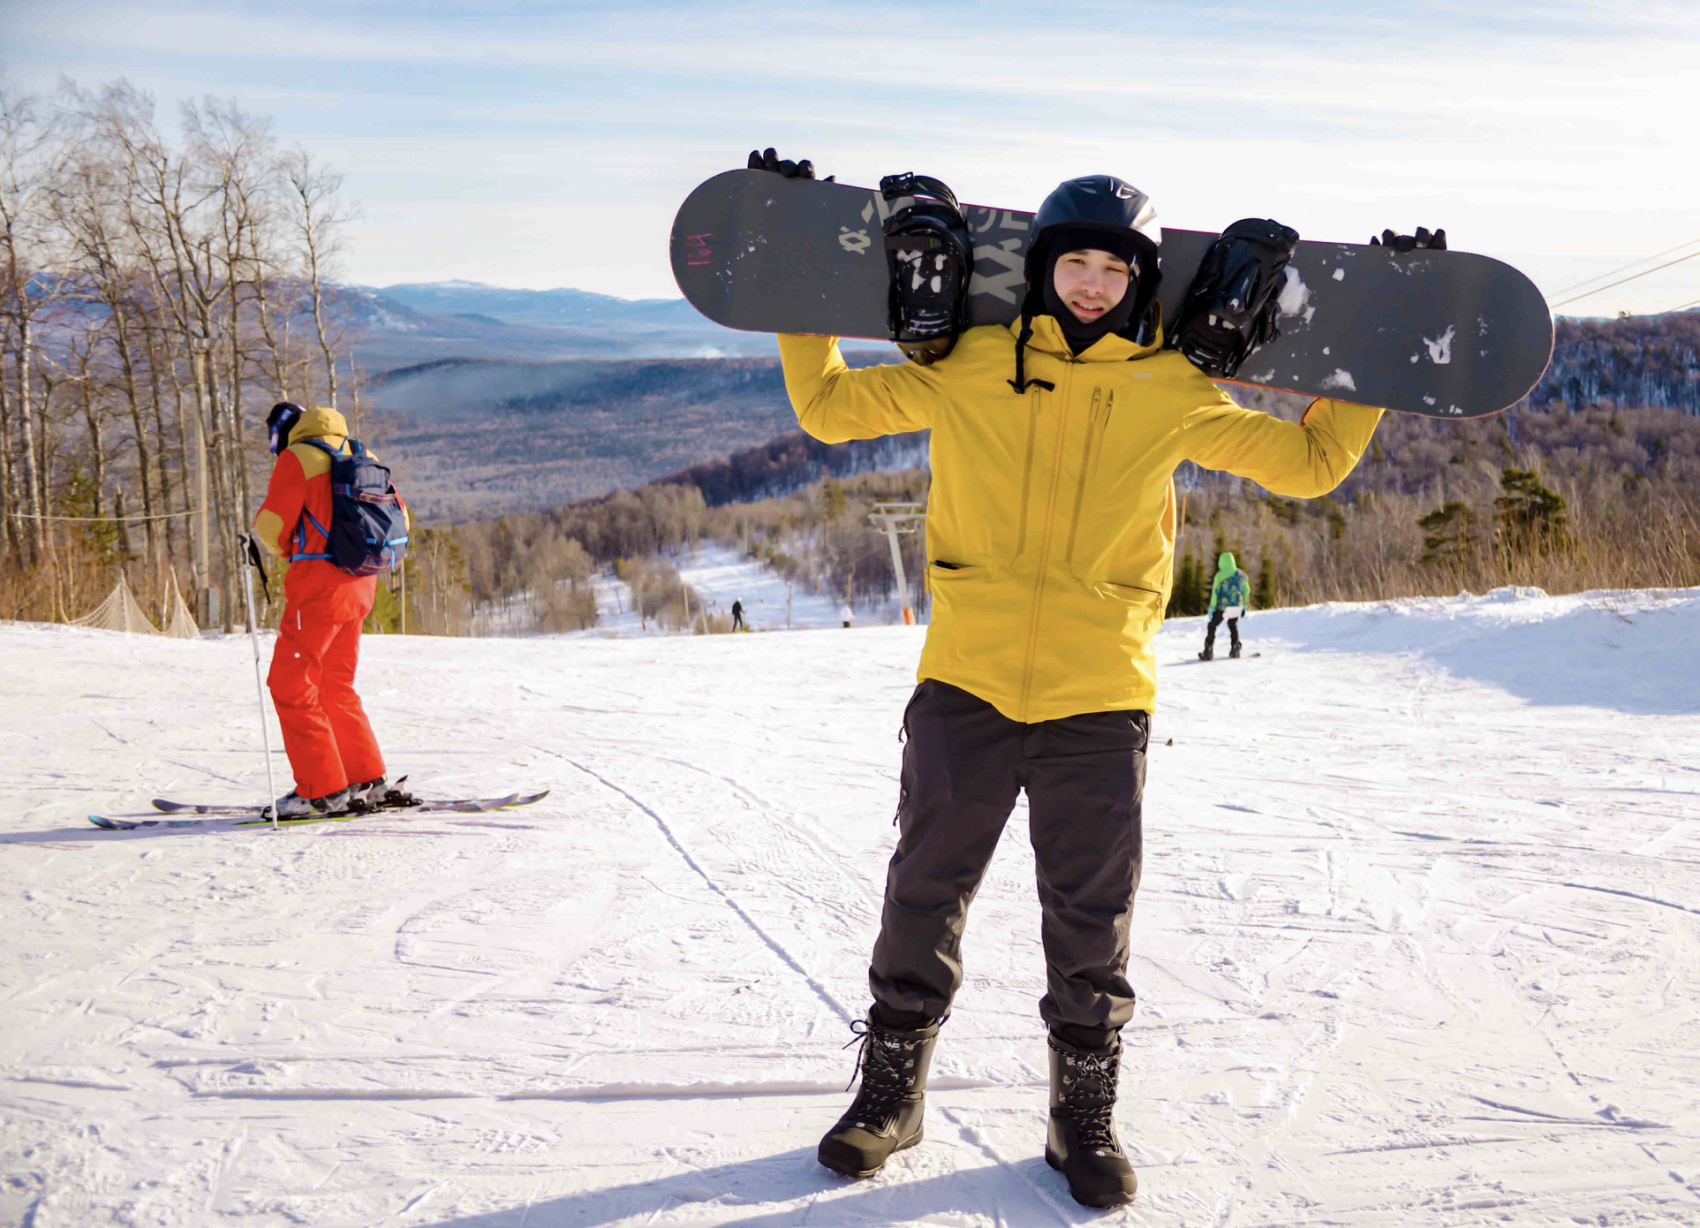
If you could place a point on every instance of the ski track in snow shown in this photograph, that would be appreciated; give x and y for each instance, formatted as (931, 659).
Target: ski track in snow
(1418, 939)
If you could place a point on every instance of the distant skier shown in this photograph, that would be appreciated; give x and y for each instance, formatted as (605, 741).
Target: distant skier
(737, 616)
(326, 735)
(846, 615)
(1054, 445)
(1228, 594)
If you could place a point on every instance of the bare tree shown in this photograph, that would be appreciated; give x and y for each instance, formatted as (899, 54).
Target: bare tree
(32, 158)
(318, 217)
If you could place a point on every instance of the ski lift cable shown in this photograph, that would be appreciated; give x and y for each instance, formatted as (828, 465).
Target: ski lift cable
(105, 519)
(1590, 293)
(1625, 268)
(1683, 307)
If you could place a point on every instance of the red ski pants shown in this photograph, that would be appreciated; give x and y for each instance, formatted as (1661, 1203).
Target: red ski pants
(325, 731)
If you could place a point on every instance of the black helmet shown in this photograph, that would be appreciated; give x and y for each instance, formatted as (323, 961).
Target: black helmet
(1096, 211)
(284, 415)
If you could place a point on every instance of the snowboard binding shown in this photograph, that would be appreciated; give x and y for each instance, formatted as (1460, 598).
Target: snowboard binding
(931, 258)
(1231, 306)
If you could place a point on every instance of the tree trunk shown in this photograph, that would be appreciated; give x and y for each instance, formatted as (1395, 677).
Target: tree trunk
(8, 504)
(121, 342)
(39, 545)
(168, 526)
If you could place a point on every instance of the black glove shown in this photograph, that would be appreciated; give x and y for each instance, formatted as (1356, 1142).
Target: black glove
(768, 160)
(252, 549)
(1404, 243)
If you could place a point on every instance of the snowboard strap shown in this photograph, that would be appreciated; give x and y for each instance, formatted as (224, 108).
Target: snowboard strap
(1020, 383)
(930, 255)
(1230, 309)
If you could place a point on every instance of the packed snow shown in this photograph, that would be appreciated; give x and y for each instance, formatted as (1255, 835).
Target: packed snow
(1418, 939)
(721, 576)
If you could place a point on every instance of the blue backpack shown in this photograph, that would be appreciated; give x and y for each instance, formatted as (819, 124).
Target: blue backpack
(368, 529)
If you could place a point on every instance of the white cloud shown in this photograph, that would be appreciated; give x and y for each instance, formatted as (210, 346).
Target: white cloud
(549, 145)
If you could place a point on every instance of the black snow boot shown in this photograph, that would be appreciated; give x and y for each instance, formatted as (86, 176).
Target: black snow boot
(885, 1117)
(1207, 655)
(1082, 1142)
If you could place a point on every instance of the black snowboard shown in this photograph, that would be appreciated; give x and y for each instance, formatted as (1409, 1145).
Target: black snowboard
(1442, 333)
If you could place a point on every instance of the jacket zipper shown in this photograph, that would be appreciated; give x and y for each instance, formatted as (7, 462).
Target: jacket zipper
(1045, 547)
(1027, 474)
(1085, 469)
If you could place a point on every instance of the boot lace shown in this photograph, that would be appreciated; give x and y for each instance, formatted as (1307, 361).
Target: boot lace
(1090, 1095)
(880, 1063)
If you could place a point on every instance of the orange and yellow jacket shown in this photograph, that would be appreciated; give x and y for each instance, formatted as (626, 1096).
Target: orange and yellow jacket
(1051, 523)
(301, 488)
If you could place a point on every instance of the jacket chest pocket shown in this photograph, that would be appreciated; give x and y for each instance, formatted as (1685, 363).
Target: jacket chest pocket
(1115, 531)
(1088, 505)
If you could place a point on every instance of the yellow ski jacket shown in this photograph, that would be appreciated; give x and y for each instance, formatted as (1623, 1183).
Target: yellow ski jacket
(1051, 523)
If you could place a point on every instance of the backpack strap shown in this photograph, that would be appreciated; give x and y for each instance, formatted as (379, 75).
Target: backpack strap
(301, 538)
(308, 517)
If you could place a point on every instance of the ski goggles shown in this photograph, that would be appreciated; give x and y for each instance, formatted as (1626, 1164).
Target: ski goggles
(283, 417)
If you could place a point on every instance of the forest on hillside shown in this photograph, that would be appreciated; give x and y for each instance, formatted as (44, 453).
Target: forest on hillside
(1563, 501)
(1635, 361)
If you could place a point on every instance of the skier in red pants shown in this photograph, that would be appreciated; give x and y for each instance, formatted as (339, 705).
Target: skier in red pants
(329, 741)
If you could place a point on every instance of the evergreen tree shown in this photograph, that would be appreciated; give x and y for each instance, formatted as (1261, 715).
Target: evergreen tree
(1263, 595)
(1449, 534)
(1191, 592)
(833, 499)
(1530, 517)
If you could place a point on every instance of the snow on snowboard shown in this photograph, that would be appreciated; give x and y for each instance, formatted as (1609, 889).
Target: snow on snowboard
(1445, 334)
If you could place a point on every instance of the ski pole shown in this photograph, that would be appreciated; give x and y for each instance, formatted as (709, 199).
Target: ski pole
(253, 560)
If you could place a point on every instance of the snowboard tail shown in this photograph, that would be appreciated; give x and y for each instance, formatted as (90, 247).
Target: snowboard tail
(1441, 333)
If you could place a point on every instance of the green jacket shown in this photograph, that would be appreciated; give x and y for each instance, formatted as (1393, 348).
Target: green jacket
(1231, 587)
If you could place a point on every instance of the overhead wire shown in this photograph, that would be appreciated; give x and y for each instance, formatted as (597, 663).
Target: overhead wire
(1587, 281)
(1611, 285)
(106, 519)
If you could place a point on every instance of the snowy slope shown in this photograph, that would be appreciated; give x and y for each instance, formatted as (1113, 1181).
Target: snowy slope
(720, 576)
(1418, 939)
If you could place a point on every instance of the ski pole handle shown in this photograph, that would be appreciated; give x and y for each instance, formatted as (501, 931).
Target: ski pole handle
(252, 549)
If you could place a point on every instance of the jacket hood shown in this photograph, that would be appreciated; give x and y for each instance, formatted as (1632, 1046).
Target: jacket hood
(1225, 565)
(1048, 338)
(320, 423)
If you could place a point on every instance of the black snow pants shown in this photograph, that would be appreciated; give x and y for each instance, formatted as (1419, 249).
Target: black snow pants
(963, 766)
(1210, 632)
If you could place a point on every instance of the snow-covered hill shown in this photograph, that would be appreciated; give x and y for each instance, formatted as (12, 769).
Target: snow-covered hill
(1418, 940)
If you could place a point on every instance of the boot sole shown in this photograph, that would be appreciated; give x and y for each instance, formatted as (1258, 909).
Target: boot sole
(1090, 1194)
(844, 1169)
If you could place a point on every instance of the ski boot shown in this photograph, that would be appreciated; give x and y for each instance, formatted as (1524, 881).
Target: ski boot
(885, 1117)
(1234, 653)
(293, 806)
(1207, 655)
(369, 794)
(1081, 1141)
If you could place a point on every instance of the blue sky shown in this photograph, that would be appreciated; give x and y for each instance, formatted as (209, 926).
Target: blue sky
(548, 144)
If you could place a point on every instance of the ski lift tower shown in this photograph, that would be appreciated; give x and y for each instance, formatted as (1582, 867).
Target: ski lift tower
(897, 518)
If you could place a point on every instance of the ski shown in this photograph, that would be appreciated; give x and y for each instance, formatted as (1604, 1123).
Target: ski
(394, 791)
(234, 817)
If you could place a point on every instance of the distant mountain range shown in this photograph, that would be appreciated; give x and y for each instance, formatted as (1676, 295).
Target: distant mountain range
(508, 400)
(407, 325)
(472, 438)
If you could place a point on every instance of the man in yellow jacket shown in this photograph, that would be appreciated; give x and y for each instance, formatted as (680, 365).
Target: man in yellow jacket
(1050, 540)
